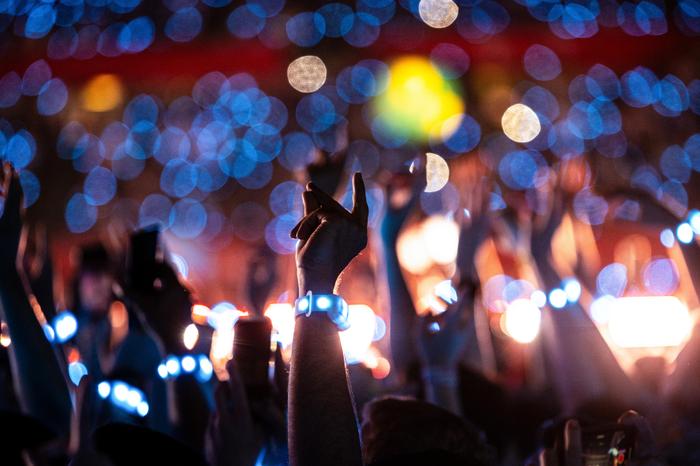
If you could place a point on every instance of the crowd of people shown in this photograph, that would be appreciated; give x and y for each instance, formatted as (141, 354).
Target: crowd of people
(576, 405)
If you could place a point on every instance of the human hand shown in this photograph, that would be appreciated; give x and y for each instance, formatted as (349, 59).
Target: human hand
(443, 339)
(10, 220)
(329, 237)
(571, 453)
(397, 212)
(37, 263)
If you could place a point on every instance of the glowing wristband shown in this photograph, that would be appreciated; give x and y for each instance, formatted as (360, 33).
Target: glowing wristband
(332, 305)
(124, 396)
(173, 366)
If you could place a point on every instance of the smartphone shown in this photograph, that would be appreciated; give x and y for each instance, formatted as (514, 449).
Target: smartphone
(143, 258)
(252, 352)
(608, 445)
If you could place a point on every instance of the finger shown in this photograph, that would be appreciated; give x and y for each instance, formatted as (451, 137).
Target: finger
(309, 201)
(310, 223)
(295, 233)
(548, 457)
(573, 452)
(645, 444)
(360, 210)
(327, 201)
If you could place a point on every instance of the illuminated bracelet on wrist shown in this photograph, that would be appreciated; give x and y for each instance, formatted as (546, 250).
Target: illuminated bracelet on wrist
(173, 366)
(124, 396)
(568, 293)
(686, 231)
(332, 305)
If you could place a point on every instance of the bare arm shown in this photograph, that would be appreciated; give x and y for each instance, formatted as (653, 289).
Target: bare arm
(323, 428)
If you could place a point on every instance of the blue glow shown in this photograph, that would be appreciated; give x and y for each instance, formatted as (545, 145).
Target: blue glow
(356, 84)
(465, 137)
(541, 63)
(601, 308)
(173, 366)
(184, 25)
(125, 167)
(542, 102)
(62, 44)
(10, 89)
(306, 29)
(584, 121)
(692, 148)
(36, 75)
(610, 117)
(694, 96)
(445, 201)
(539, 298)
(671, 96)
(137, 35)
(100, 186)
(178, 178)
(205, 369)
(661, 277)
(80, 215)
(246, 21)
(258, 177)
(638, 87)
(523, 169)
(612, 280)
(104, 389)
(675, 164)
(450, 59)
(267, 8)
(557, 298)
(674, 196)
(188, 364)
(277, 234)
(363, 156)
(589, 207)
(65, 325)
(364, 31)
(40, 21)
(31, 187)
(316, 112)
(666, 237)
(323, 303)
(142, 141)
(685, 233)
(286, 198)
(88, 153)
(602, 83)
(187, 218)
(76, 371)
(613, 145)
(694, 221)
(382, 10)
(155, 210)
(266, 141)
(563, 142)
(20, 149)
(338, 18)
(143, 107)
(572, 288)
(68, 139)
(478, 23)
(173, 143)
(210, 178)
(52, 97)
(303, 304)
(647, 178)
(162, 371)
(48, 332)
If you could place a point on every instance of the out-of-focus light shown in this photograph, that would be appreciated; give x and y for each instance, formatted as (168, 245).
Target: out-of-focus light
(445, 291)
(65, 326)
(282, 317)
(120, 391)
(557, 298)
(307, 74)
(76, 371)
(437, 172)
(649, 322)
(522, 320)
(5, 340)
(684, 233)
(520, 123)
(612, 279)
(102, 93)
(173, 366)
(142, 408)
(180, 264)
(188, 364)
(666, 237)
(206, 369)
(413, 251)
(441, 236)
(418, 102)
(200, 314)
(49, 332)
(539, 298)
(661, 276)
(104, 389)
(224, 315)
(382, 369)
(162, 371)
(694, 221)
(438, 14)
(190, 336)
(572, 288)
(357, 339)
(602, 308)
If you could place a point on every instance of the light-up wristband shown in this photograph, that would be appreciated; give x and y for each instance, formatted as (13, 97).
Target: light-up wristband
(332, 305)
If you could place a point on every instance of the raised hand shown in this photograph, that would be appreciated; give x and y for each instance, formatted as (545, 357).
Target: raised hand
(396, 215)
(475, 223)
(10, 220)
(444, 338)
(329, 236)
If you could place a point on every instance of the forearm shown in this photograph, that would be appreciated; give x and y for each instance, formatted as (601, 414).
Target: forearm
(403, 315)
(322, 425)
(39, 382)
(442, 388)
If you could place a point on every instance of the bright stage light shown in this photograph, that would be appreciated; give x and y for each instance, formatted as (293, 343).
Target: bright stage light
(307, 74)
(418, 101)
(521, 320)
(190, 336)
(520, 123)
(357, 339)
(441, 237)
(649, 322)
(282, 317)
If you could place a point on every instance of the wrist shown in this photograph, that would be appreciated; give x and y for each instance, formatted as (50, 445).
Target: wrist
(315, 282)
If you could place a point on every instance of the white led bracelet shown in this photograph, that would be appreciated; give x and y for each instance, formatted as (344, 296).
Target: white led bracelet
(332, 305)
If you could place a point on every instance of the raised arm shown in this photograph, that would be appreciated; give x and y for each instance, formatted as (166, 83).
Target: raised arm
(581, 362)
(39, 382)
(323, 428)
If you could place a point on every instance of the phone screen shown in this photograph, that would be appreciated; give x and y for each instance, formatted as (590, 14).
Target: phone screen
(610, 445)
(251, 351)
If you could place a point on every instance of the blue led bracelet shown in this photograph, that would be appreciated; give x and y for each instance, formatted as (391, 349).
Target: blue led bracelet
(332, 305)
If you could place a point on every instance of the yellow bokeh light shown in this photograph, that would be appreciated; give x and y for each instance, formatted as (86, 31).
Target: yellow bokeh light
(520, 123)
(102, 93)
(418, 101)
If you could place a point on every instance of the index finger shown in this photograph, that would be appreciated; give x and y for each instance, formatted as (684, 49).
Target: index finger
(327, 201)
(360, 210)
